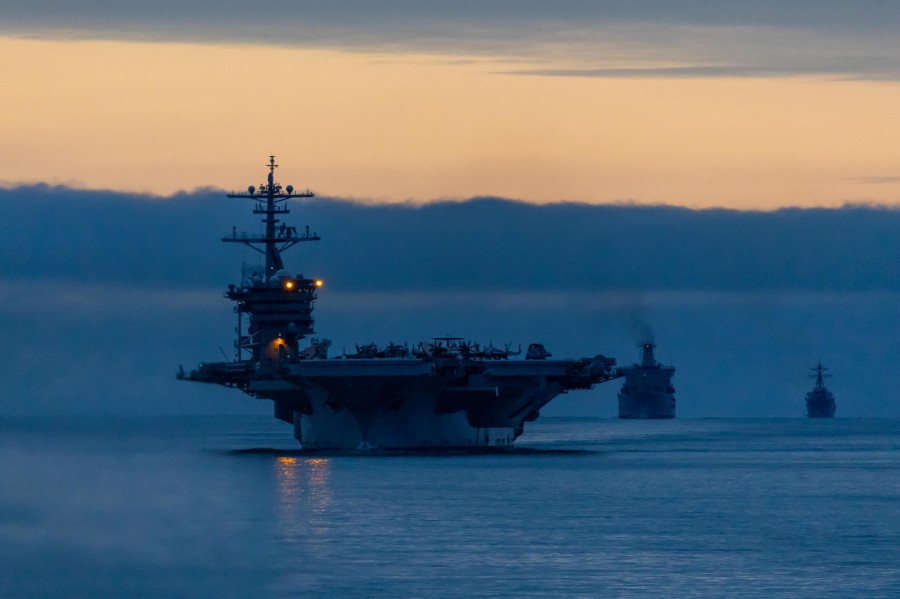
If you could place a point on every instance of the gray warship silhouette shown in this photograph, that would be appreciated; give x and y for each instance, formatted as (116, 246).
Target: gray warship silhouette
(647, 391)
(444, 393)
(820, 401)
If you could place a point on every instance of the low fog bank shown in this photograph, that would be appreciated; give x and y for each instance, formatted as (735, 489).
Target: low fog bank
(104, 295)
(484, 243)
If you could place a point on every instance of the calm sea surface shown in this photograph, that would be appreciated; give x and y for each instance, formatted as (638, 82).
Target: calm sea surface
(228, 507)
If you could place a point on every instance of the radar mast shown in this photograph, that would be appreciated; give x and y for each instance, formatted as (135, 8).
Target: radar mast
(820, 376)
(271, 202)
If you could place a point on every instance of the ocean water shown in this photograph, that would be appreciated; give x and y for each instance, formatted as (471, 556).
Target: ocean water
(229, 507)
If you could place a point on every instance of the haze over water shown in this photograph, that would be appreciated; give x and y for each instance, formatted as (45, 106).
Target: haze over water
(228, 507)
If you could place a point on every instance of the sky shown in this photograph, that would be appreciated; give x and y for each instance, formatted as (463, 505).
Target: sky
(701, 104)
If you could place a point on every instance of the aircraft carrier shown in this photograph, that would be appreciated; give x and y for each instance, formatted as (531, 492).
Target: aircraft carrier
(820, 401)
(647, 391)
(442, 393)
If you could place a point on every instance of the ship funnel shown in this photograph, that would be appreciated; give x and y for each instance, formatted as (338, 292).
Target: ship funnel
(647, 359)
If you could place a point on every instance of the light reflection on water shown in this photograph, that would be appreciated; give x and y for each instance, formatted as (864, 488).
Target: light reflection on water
(303, 496)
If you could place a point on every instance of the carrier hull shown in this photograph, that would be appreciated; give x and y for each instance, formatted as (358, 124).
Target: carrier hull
(409, 403)
(415, 425)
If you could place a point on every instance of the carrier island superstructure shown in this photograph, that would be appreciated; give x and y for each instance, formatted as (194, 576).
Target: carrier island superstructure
(443, 393)
(647, 391)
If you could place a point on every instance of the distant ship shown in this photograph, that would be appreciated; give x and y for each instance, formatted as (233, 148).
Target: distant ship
(820, 401)
(647, 391)
(441, 393)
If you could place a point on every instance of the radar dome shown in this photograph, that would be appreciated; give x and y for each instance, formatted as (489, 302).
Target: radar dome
(251, 189)
(290, 189)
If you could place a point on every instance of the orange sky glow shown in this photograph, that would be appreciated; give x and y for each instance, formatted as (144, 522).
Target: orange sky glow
(164, 117)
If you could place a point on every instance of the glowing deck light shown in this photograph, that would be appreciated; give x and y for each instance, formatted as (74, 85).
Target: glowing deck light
(318, 283)
(289, 285)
